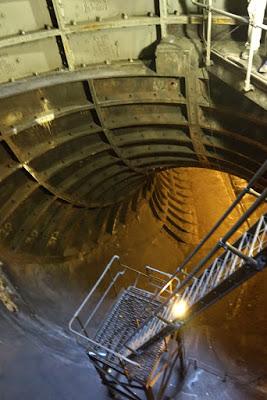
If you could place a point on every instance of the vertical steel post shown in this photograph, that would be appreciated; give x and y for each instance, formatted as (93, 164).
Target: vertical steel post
(248, 86)
(208, 50)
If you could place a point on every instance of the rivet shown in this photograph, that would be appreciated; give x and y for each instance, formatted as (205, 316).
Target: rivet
(21, 32)
(107, 62)
(131, 60)
(150, 14)
(175, 12)
(83, 65)
(35, 73)
(72, 22)
(98, 19)
(124, 16)
(11, 79)
(14, 130)
(47, 27)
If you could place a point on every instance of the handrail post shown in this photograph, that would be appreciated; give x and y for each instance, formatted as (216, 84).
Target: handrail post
(248, 86)
(208, 50)
(250, 21)
(115, 257)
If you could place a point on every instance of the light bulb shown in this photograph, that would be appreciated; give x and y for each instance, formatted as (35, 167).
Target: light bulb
(179, 309)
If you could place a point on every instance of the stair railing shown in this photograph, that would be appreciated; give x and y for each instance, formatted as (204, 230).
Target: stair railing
(115, 277)
(254, 25)
(222, 243)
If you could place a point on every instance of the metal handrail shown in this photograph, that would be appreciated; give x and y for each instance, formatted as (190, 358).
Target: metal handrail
(248, 248)
(259, 200)
(79, 309)
(83, 325)
(249, 21)
(247, 190)
(240, 18)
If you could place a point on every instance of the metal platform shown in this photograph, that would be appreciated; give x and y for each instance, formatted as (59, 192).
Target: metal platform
(120, 301)
(132, 308)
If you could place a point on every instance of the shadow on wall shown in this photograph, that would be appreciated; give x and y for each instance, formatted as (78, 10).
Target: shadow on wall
(239, 8)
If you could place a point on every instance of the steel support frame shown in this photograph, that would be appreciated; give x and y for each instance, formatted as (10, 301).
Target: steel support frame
(245, 272)
(119, 381)
(62, 40)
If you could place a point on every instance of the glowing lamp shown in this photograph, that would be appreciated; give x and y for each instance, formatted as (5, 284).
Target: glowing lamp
(179, 309)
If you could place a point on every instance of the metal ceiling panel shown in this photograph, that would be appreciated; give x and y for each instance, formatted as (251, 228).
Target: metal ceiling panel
(127, 89)
(90, 10)
(111, 45)
(22, 15)
(28, 59)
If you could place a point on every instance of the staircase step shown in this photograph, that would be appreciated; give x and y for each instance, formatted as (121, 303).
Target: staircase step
(224, 272)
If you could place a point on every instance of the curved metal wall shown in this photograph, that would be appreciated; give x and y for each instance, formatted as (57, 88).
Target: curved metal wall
(73, 154)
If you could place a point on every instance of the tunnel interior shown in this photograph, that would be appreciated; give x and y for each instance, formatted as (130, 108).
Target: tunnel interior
(116, 138)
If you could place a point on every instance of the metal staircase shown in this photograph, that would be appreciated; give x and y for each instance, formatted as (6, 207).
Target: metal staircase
(138, 340)
(222, 275)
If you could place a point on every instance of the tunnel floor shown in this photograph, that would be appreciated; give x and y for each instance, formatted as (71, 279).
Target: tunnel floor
(40, 373)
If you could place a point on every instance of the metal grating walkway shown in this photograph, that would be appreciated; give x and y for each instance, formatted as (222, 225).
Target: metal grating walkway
(131, 309)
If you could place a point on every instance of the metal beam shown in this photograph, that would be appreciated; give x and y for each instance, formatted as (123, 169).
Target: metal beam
(122, 69)
(29, 37)
(62, 40)
(64, 30)
(163, 17)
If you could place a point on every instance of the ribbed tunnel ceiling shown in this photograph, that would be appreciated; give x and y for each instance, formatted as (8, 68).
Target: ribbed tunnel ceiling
(73, 155)
(97, 98)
